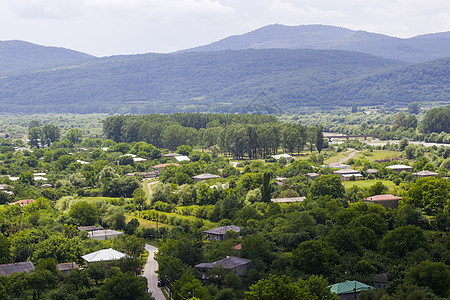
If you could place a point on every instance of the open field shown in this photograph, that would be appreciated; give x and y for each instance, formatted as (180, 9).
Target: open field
(147, 223)
(378, 155)
(369, 183)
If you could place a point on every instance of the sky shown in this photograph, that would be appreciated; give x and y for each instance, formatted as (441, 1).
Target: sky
(113, 27)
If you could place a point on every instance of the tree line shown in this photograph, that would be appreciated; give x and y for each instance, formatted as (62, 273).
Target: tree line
(237, 135)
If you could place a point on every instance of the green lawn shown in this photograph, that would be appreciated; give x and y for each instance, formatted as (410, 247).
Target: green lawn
(368, 183)
(337, 157)
(147, 223)
(378, 155)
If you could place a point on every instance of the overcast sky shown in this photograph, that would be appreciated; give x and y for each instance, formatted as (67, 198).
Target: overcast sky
(109, 27)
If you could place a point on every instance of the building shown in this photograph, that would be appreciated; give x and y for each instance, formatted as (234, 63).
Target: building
(182, 158)
(102, 235)
(425, 173)
(236, 264)
(90, 228)
(400, 168)
(381, 281)
(387, 201)
(220, 233)
(350, 289)
(139, 159)
(172, 154)
(205, 176)
(83, 162)
(24, 202)
(346, 174)
(103, 255)
(8, 269)
(160, 167)
(288, 200)
(336, 165)
(278, 156)
(65, 268)
(372, 171)
(312, 175)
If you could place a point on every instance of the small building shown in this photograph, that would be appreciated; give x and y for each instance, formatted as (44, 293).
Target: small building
(387, 201)
(350, 289)
(205, 176)
(220, 233)
(182, 158)
(312, 175)
(336, 165)
(103, 255)
(372, 171)
(400, 168)
(102, 235)
(287, 156)
(24, 202)
(425, 173)
(346, 174)
(90, 228)
(160, 167)
(236, 264)
(8, 269)
(39, 178)
(288, 200)
(381, 281)
(83, 162)
(139, 159)
(66, 268)
(172, 154)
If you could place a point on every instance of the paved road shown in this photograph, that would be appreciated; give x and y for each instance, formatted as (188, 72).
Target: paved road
(149, 272)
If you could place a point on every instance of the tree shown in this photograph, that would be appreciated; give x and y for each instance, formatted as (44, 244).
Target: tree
(398, 242)
(319, 138)
(34, 135)
(327, 185)
(429, 193)
(378, 189)
(414, 108)
(435, 275)
(75, 135)
(5, 253)
(139, 198)
(124, 286)
(50, 134)
(84, 213)
(188, 287)
(315, 257)
(274, 287)
(437, 120)
(266, 188)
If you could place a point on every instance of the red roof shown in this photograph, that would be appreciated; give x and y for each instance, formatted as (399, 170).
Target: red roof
(386, 197)
(23, 202)
(237, 247)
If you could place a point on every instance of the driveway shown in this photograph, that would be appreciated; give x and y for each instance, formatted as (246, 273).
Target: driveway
(149, 272)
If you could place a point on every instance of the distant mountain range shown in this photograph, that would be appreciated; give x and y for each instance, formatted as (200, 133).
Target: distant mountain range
(321, 37)
(209, 79)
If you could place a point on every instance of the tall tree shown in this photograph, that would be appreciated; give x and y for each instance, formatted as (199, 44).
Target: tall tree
(319, 138)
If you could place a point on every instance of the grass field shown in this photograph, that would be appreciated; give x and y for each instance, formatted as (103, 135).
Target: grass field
(368, 183)
(337, 157)
(378, 155)
(146, 223)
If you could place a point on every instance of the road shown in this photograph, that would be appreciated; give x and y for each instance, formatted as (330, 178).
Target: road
(149, 272)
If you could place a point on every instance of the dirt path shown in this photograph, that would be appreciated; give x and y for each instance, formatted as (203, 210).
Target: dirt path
(149, 272)
(350, 155)
(150, 189)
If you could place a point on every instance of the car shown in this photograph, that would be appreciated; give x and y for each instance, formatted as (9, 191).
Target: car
(160, 283)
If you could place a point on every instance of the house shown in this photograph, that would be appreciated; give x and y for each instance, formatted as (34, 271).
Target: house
(288, 200)
(89, 228)
(312, 175)
(237, 265)
(182, 158)
(350, 289)
(380, 281)
(278, 156)
(39, 178)
(400, 168)
(101, 235)
(220, 233)
(160, 167)
(172, 154)
(425, 173)
(24, 202)
(103, 255)
(8, 269)
(139, 159)
(82, 162)
(372, 171)
(205, 176)
(346, 174)
(65, 268)
(387, 201)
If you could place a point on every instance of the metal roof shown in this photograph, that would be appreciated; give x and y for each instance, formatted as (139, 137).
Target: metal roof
(223, 229)
(350, 286)
(230, 262)
(8, 269)
(104, 255)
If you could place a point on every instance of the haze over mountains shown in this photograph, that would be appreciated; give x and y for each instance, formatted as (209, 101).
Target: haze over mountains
(292, 67)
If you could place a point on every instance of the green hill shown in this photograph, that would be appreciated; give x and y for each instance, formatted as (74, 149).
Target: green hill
(21, 57)
(418, 49)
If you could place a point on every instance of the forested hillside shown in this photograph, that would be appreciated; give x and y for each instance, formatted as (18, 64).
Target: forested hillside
(418, 49)
(21, 57)
(214, 81)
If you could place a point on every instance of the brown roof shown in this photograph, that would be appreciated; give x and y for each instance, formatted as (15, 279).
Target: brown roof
(386, 197)
(23, 202)
(165, 165)
(237, 247)
(67, 266)
(89, 228)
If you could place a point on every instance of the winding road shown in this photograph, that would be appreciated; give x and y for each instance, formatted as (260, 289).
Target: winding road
(149, 272)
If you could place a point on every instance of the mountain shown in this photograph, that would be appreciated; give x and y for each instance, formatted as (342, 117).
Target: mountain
(225, 81)
(21, 57)
(413, 50)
